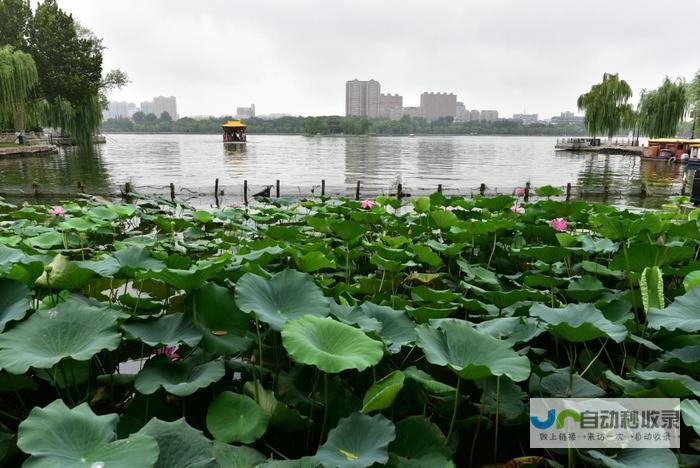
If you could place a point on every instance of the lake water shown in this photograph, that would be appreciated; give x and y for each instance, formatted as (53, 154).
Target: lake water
(460, 163)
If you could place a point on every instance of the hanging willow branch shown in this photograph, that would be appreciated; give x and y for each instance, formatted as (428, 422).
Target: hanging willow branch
(18, 76)
(80, 121)
(605, 105)
(662, 110)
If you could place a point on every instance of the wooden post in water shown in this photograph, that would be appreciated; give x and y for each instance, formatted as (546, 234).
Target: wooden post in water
(323, 187)
(399, 191)
(439, 188)
(35, 188)
(127, 190)
(568, 191)
(643, 190)
(81, 187)
(216, 191)
(482, 189)
(606, 192)
(277, 188)
(172, 191)
(245, 192)
(527, 192)
(357, 191)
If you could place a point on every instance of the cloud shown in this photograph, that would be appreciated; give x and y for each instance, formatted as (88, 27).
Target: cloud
(295, 57)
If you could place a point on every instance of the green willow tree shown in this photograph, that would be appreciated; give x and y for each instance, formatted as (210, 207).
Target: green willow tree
(18, 79)
(14, 22)
(605, 105)
(694, 95)
(662, 110)
(69, 61)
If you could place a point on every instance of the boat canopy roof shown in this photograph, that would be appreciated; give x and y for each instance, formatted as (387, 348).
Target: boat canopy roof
(234, 124)
(675, 140)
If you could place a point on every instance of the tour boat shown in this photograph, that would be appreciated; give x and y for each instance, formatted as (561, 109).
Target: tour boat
(234, 132)
(669, 149)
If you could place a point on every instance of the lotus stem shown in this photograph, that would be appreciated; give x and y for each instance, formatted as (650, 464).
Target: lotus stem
(454, 408)
(498, 412)
(478, 422)
(325, 407)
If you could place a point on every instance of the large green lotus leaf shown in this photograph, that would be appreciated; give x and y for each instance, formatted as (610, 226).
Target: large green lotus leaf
(232, 417)
(189, 279)
(348, 230)
(180, 378)
(314, 261)
(672, 384)
(46, 240)
(77, 224)
(355, 316)
(382, 393)
(15, 300)
(637, 458)
(578, 322)
(585, 289)
(557, 385)
(690, 410)
(222, 324)
(683, 314)
(71, 329)
(687, 357)
(56, 436)
(470, 353)
(651, 285)
(427, 381)
(288, 294)
(127, 260)
(419, 439)
(237, 456)
(168, 330)
(603, 245)
(512, 329)
(281, 415)
(548, 254)
(61, 273)
(16, 265)
(397, 328)
(357, 441)
(181, 445)
(641, 256)
(601, 270)
(330, 345)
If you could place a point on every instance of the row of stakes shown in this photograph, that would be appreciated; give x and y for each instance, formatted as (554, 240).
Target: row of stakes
(128, 188)
(266, 192)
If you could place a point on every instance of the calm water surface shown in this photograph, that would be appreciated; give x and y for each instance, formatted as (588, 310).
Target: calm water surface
(460, 163)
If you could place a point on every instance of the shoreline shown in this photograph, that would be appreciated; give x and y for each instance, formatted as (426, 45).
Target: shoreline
(25, 150)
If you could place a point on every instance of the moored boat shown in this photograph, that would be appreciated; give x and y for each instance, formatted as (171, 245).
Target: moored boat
(235, 132)
(677, 150)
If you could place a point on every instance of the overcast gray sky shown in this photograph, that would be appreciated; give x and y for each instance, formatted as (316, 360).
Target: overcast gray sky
(295, 56)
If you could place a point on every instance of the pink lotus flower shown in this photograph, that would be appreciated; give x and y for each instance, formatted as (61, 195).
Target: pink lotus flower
(559, 224)
(168, 351)
(449, 208)
(58, 211)
(367, 204)
(519, 191)
(517, 208)
(234, 204)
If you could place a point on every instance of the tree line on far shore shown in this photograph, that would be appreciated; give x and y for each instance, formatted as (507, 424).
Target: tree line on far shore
(326, 125)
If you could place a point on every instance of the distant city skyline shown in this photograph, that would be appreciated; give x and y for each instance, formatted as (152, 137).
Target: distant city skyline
(292, 57)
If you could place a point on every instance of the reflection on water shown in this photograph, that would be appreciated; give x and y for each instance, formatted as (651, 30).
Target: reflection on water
(460, 163)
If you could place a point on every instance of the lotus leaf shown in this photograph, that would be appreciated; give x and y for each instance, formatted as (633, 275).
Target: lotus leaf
(58, 436)
(168, 330)
(236, 418)
(382, 393)
(397, 329)
(637, 458)
(427, 381)
(48, 336)
(683, 314)
(579, 322)
(357, 441)
(281, 415)
(330, 345)
(288, 294)
(471, 354)
(690, 410)
(672, 384)
(180, 445)
(61, 273)
(651, 284)
(181, 378)
(14, 301)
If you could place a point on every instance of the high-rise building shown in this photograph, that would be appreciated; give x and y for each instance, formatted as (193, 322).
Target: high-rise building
(117, 110)
(461, 112)
(474, 115)
(488, 115)
(389, 102)
(362, 98)
(436, 105)
(245, 112)
(568, 118)
(526, 118)
(147, 107)
(165, 104)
